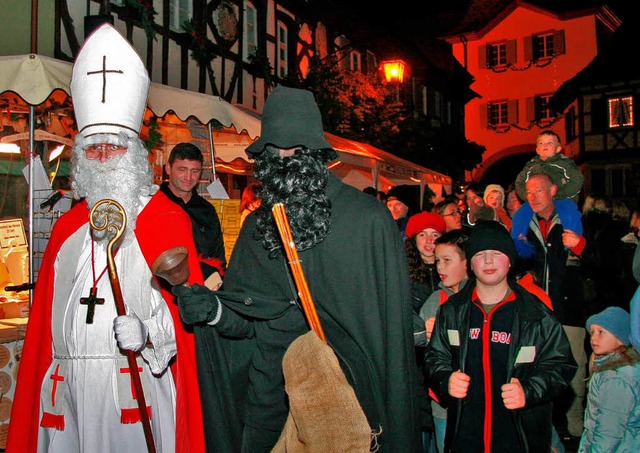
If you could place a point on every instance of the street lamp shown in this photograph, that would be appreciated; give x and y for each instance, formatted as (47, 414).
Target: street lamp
(394, 73)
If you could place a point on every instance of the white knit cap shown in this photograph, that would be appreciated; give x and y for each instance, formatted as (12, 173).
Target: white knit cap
(109, 85)
(493, 188)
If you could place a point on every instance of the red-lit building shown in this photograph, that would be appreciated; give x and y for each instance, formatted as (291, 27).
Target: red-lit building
(519, 54)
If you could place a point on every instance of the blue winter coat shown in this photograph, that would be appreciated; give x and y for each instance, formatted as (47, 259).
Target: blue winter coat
(612, 416)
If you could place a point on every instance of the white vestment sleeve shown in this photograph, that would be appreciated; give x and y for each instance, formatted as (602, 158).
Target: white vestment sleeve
(162, 339)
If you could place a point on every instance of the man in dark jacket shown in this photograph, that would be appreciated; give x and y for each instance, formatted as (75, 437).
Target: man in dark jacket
(184, 169)
(354, 262)
(549, 242)
(497, 355)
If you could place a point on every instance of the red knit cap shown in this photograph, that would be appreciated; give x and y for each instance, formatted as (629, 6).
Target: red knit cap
(422, 220)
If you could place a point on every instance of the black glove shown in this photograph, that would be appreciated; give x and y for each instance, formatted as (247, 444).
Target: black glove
(197, 303)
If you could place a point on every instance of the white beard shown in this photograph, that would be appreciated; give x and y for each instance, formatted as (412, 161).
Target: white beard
(124, 179)
(117, 184)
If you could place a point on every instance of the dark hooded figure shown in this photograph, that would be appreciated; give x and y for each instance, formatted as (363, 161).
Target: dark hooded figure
(356, 269)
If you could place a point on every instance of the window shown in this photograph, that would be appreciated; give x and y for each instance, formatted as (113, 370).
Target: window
(497, 54)
(543, 46)
(342, 47)
(179, 11)
(621, 112)
(372, 63)
(355, 62)
(250, 31)
(498, 113)
(570, 124)
(613, 180)
(424, 97)
(282, 51)
(543, 112)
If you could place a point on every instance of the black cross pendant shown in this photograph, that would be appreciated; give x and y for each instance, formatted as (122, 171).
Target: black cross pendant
(91, 302)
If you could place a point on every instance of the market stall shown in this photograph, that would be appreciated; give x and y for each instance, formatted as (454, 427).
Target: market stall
(36, 116)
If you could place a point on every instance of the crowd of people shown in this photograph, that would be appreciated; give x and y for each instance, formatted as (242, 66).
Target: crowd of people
(576, 264)
(398, 329)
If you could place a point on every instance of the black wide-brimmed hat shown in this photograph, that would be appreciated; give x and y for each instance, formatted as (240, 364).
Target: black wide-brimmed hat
(290, 118)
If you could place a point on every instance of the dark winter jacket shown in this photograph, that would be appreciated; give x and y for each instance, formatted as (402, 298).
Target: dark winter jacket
(207, 231)
(539, 356)
(358, 277)
(558, 269)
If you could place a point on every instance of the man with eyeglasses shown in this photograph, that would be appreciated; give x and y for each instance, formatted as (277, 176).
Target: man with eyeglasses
(75, 388)
(448, 208)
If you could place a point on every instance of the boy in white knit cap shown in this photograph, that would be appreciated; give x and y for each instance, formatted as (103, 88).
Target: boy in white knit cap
(494, 198)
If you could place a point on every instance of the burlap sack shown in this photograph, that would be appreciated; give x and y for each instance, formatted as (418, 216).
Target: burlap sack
(325, 415)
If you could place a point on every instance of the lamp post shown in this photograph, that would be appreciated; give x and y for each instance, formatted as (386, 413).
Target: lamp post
(394, 73)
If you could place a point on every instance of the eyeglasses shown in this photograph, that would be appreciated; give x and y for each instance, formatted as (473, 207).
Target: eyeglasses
(456, 212)
(109, 150)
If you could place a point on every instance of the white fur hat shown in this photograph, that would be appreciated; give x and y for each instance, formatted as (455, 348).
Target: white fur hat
(493, 188)
(109, 85)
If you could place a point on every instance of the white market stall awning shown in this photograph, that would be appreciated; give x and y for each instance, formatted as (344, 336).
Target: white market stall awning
(205, 108)
(35, 77)
(38, 86)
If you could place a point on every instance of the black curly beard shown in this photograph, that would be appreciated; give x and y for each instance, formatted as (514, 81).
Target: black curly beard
(299, 182)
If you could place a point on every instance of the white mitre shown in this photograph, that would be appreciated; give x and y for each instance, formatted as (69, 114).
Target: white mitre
(109, 85)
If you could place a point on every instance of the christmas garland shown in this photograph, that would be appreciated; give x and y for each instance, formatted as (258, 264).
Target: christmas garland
(260, 67)
(154, 136)
(147, 12)
(202, 48)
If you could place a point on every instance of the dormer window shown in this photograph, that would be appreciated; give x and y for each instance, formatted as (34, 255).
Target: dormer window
(621, 112)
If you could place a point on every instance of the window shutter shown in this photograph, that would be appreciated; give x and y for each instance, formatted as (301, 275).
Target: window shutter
(482, 57)
(342, 44)
(528, 48)
(371, 63)
(484, 115)
(598, 115)
(512, 111)
(569, 124)
(558, 42)
(532, 109)
(512, 55)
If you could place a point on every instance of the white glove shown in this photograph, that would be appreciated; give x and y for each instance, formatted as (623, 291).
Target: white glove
(131, 332)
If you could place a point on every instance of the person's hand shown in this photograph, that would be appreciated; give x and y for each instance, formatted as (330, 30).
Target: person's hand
(513, 394)
(502, 214)
(197, 303)
(459, 384)
(570, 239)
(429, 323)
(474, 207)
(131, 332)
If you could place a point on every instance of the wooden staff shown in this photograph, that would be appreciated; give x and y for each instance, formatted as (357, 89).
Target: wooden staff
(110, 215)
(309, 308)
